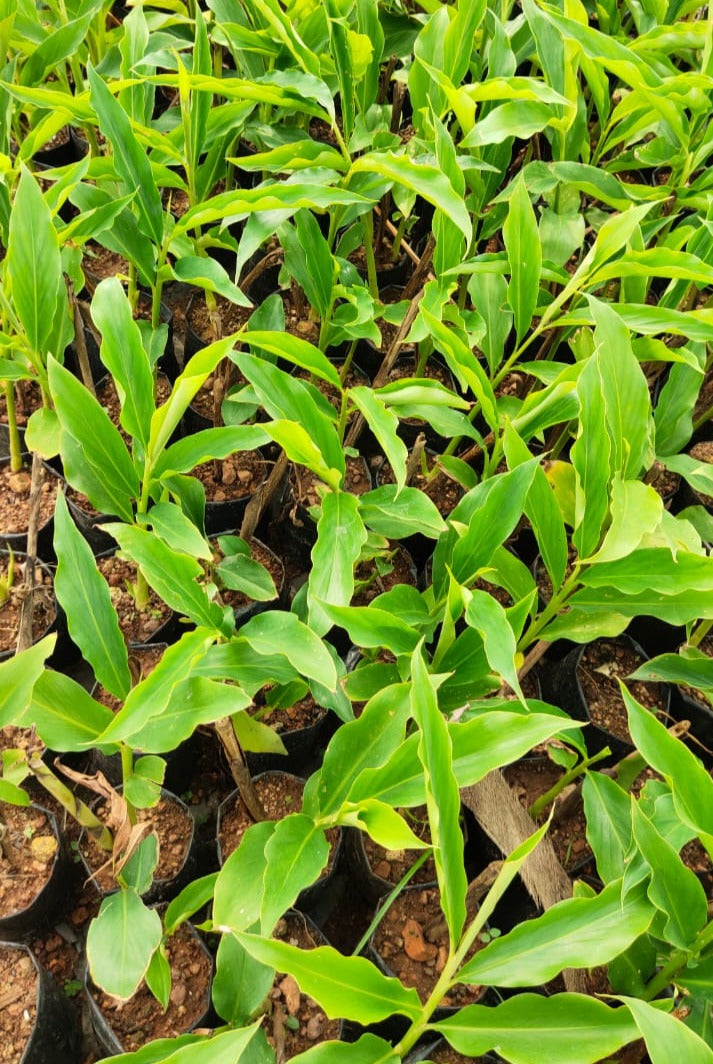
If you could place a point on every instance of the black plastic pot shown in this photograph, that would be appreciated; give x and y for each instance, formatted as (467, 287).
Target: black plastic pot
(310, 897)
(48, 902)
(161, 889)
(60, 154)
(54, 1037)
(228, 513)
(566, 690)
(17, 541)
(88, 524)
(300, 744)
(64, 650)
(101, 1025)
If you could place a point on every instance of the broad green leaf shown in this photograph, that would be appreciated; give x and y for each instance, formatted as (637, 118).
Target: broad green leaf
(442, 795)
(673, 889)
(172, 574)
(223, 1047)
(608, 813)
(532, 1029)
(193, 702)
(384, 424)
(464, 365)
(591, 459)
(359, 744)
(208, 274)
(43, 432)
(485, 614)
(129, 157)
(138, 871)
(369, 1049)
(239, 888)
(95, 458)
(84, 595)
(666, 1037)
(178, 531)
(340, 537)
(184, 455)
(34, 271)
(636, 510)
(369, 626)
(522, 243)
(690, 666)
(298, 155)
(65, 716)
(120, 943)
(423, 178)
(240, 984)
(295, 350)
(158, 977)
(124, 355)
(382, 823)
(240, 572)
(608, 609)
(576, 933)
(189, 901)
(198, 368)
(653, 569)
(349, 987)
(542, 509)
(309, 260)
(296, 853)
(299, 446)
(519, 118)
(276, 197)
(691, 785)
(279, 631)
(395, 513)
(697, 473)
(18, 676)
(673, 416)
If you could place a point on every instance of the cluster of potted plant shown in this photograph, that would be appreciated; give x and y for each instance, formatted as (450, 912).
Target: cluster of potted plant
(356, 374)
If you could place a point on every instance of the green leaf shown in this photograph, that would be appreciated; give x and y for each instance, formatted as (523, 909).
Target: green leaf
(516, 118)
(193, 702)
(206, 273)
(184, 455)
(138, 871)
(84, 595)
(396, 514)
(349, 987)
(221, 1048)
(607, 809)
(423, 178)
(691, 785)
(382, 823)
(591, 459)
(124, 355)
(188, 902)
(384, 424)
(542, 509)
(279, 631)
(673, 888)
(129, 157)
(240, 572)
(576, 933)
(176, 530)
(340, 537)
(295, 350)
(240, 984)
(299, 446)
(296, 853)
(158, 977)
(522, 243)
(18, 676)
(532, 1029)
(366, 1050)
(666, 1037)
(34, 271)
(65, 716)
(363, 743)
(43, 432)
(172, 575)
(442, 795)
(239, 887)
(369, 626)
(636, 511)
(485, 614)
(309, 260)
(95, 458)
(121, 942)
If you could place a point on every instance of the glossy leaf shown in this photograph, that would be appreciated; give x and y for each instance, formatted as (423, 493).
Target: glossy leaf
(395, 513)
(666, 1037)
(351, 987)
(576, 933)
(224, 1047)
(532, 1029)
(240, 984)
(366, 1050)
(84, 595)
(18, 676)
(608, 813)
(384, 424)
(522, 243)
(185, 454)
(239, 887)
(340, 537)
(486, 615)
(121, 942)
(295, 854)
(279, 631)
(64, 715)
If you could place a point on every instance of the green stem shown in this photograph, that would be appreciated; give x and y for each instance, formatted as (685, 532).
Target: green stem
(127, 771)
(700, 632)
(551, 610)
(391, 898)
(369, 254)
(677, 961)
(346, 364)
(704, 417)
(541, 803)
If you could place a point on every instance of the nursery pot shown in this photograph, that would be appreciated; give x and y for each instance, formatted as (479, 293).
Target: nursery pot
(572, 680)
(163, 888)
(51, 1038)
(121, 1027)
(45, 869)
(17, 486)
(48, 617)
(281, 794)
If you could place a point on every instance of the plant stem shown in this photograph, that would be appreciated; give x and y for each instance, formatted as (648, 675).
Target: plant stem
(369, 255)
(541, 803)
(127, 771)
(551, 610)
(391, 898)
(700, 632)
(13, 431)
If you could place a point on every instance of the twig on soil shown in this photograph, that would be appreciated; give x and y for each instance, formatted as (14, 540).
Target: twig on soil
(262, 497)
(238, 769)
